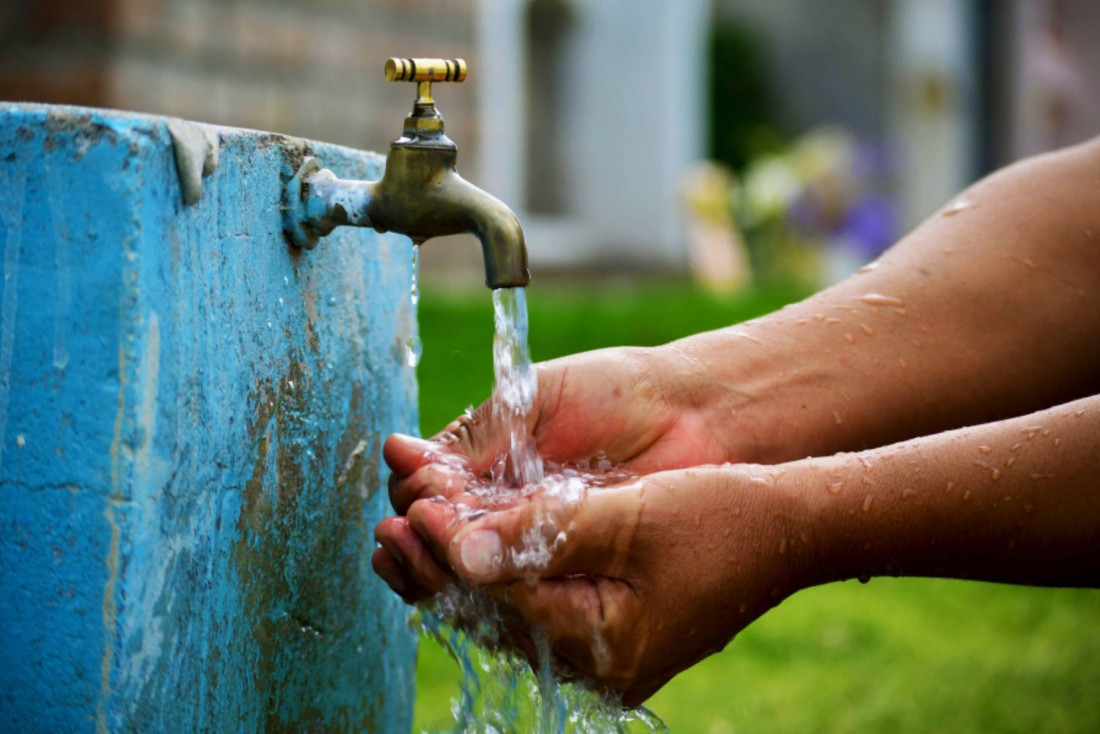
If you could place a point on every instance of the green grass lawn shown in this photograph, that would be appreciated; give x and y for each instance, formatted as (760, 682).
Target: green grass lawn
(895, 655)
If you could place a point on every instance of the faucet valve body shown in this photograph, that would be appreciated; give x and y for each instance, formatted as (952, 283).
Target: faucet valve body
(420, 194)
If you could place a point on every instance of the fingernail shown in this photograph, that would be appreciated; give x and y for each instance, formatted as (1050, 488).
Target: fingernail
(481, 552)
(417, 443)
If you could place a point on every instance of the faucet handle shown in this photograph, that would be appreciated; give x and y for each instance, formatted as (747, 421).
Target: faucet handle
(425, 70)
(425, 120)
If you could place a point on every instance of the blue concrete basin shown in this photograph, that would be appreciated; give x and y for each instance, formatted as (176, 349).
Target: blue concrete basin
(191, 419)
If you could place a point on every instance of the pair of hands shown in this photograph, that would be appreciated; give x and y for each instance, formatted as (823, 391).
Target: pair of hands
(653, 574)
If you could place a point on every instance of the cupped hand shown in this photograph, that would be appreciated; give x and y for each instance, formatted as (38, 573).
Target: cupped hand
(633, 407)
(639, 409)
(636, 582)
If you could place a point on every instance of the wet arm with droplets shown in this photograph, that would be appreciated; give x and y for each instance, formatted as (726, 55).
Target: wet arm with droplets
(987, 310)
(1016, 501)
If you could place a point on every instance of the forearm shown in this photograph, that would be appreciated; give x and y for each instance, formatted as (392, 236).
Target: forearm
(985, 313)
(1016, 501)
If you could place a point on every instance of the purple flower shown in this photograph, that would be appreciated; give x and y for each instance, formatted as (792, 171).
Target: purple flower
(870, 225)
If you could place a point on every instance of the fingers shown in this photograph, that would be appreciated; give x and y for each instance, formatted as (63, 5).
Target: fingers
(544, 537)
(432, 480)
(405, 562)
(405, 454)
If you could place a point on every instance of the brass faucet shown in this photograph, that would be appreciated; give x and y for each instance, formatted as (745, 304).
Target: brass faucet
(420, 194)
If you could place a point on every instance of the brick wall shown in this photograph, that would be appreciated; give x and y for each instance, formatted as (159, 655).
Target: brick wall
(312, 69)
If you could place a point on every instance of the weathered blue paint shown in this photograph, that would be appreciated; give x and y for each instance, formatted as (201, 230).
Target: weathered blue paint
(191, 417)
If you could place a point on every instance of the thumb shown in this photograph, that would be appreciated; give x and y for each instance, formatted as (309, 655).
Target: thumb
(543, 537)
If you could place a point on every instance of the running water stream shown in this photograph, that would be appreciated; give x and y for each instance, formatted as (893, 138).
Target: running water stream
(498, 691)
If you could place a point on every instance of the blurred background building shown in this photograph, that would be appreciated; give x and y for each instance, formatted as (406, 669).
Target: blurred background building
(834, 126)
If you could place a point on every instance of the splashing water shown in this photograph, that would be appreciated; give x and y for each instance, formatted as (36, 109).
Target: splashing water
(498, 691)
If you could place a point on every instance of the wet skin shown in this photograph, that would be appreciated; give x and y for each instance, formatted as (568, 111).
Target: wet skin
(985, 312)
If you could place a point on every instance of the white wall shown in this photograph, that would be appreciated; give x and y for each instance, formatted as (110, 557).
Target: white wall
(933, 102)
(635, 120)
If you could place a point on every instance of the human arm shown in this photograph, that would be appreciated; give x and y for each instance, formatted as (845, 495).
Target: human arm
(986, 310)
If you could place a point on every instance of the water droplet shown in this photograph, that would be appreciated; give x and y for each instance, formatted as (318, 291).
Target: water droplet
(836, 487)
(1057, 442)
(908, 493)
(802, 322)
(867, 503)
(902, 363)
(1078, 413)
(332, 300)
(286, 280)
(949, 488)
(1010, 461)
(867, 330)
(966, 495)
(958, 206)
(414, 349)
(832, 320)
(1029, 509)
(837, 418)
(868, 267)
(985, 449)
(994, 472)
(20, 441)
(819, 317)
(782, 546)
(877, 299)
(850, 339)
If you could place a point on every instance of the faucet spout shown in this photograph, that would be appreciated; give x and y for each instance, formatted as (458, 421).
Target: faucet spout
(502, 245)
(453, 205)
